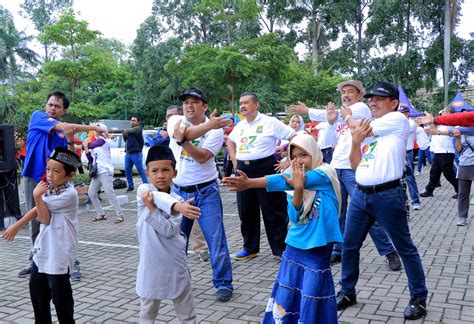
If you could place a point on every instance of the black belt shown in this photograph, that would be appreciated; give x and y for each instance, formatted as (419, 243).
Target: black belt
(251, 162)
(379, 187)
(193, 188)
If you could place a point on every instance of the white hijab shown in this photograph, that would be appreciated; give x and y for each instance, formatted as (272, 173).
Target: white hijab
(308, 144)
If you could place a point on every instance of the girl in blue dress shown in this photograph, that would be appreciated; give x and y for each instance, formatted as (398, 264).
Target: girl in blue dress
(304, 288)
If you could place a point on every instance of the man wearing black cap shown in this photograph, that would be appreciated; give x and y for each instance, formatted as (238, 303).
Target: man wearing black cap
(378, 156)
(195, 140)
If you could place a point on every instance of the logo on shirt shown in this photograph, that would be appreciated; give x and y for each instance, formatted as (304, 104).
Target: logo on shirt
(313, 214)
(368, 153)
(185, 154)
(247, 143)
(341, 129)
(259, 129)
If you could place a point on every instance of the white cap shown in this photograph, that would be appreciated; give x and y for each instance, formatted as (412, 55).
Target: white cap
(101, 125)
(355, 83)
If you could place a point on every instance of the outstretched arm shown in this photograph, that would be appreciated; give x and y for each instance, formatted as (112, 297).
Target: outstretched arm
(12, 230)
(243, 182)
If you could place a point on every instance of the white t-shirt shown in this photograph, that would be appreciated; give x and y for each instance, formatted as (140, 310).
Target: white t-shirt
(55, 247)
(340, 156)
(191, 172)
(326, 135)
(102, 156)
(383, 155)
(442, 143)
(412, 136)
(257, 140)
(422, 139)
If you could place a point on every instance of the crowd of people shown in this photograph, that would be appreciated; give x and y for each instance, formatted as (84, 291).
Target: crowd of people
(320, 189)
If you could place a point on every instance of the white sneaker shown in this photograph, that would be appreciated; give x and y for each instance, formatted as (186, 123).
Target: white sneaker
(461, 221)
(416, 207)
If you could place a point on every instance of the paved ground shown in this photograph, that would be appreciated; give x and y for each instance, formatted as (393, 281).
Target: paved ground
(108, 255)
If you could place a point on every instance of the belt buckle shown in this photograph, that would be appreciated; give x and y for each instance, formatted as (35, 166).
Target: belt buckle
(246, 162)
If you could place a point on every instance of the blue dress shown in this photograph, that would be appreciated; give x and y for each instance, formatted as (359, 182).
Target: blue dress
(304, 288)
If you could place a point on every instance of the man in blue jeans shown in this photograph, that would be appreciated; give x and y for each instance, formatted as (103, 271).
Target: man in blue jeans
(134, 156)
(378, 156)
(352, 92)
(195, 140)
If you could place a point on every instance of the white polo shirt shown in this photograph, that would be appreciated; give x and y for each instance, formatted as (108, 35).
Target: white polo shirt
(383, 155)
(257, 139)
(442, 143)
(412, 136)
(191, 172)
(55, 247)
(340, 156)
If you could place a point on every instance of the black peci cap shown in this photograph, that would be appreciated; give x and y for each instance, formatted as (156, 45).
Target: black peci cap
(159, 152)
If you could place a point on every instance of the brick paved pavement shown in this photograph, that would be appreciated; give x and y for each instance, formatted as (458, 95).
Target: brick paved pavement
(108, 256)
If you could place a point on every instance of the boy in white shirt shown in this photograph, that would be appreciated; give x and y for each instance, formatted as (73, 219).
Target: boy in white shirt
(55, 247)
(162, 270)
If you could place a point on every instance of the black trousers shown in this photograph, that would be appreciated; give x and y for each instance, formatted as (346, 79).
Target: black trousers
(273, 205)
(442, 163)
(43, 287)
(9, 199)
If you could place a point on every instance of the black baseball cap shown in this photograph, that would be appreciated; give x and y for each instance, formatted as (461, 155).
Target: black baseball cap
(193, 92)
(384, 89)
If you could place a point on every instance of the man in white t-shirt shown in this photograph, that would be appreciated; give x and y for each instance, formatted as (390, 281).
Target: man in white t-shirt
(195, 141)
(443, 161)
(351, 97)
(378, 156)
(410, 164)
(252, 146)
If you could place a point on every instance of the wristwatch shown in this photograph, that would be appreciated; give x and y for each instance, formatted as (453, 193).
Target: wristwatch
(179, 143)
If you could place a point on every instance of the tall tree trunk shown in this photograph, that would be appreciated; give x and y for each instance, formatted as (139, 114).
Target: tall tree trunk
(359, 38)
(447, 47)
(315, 32)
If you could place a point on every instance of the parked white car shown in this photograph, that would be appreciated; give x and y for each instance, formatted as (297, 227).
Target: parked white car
(117, 150)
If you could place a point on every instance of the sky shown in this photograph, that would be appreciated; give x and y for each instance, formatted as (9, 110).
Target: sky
(120, 19)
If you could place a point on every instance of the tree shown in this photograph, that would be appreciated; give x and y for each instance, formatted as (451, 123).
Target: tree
(13, 49)
(70, 33)
(44, 13)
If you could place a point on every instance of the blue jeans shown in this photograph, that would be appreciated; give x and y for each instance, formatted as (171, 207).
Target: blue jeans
(422, 154)
(211, 222)
(389, 209)
(136, 159)
(348, 185)
(410, 179)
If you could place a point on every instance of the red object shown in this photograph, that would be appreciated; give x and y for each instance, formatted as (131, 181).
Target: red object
(311, 127)
(464, 119)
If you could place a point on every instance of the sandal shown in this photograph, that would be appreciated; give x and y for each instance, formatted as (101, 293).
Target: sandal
(99, 218)
(119, 219)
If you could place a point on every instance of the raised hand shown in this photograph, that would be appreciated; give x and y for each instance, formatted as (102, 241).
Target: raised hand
(218, 122)
(40, 189)
(298, 175)
(281, 166)
(361, 132)
(179, 132)
(299, 109)
(331, 113)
